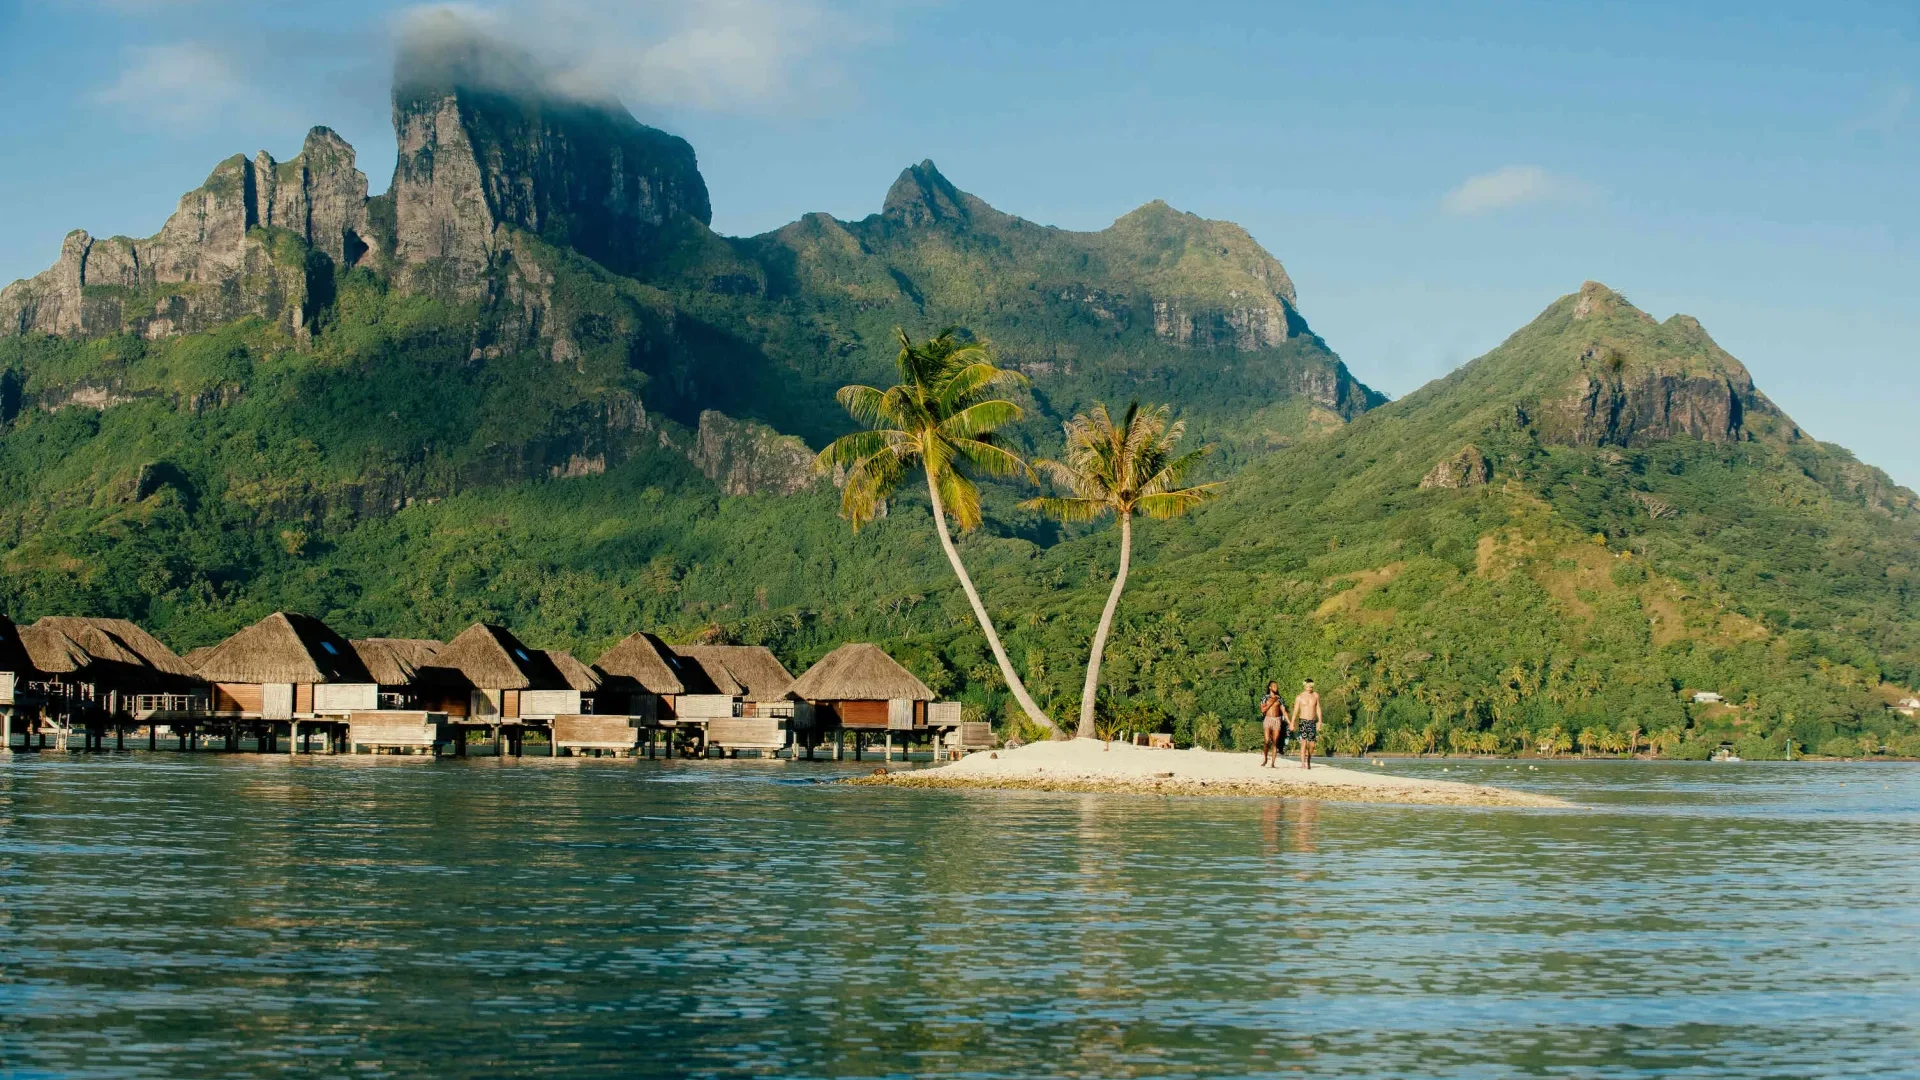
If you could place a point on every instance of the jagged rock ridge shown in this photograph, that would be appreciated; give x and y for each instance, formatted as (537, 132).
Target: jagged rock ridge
(561, 229)
(475, 157)
(224, 254)
(1624, 394)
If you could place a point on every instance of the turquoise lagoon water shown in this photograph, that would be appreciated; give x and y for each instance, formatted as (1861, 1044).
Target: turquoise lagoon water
(173, 915)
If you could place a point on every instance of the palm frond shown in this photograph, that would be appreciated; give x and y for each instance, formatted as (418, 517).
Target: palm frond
(849, 449)
(968, 381)
(989, 458)
(1173, 473)
(980, 418)
(1069, 510)
(868, 483)
(1083, 483)
(1171, 504)
(961, 497)
(864, 403)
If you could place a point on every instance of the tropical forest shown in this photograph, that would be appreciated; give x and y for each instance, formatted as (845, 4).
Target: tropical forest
(530, 385)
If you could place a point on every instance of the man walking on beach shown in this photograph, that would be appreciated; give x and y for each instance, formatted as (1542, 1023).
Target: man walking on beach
(1273, 724)
(1306, 721)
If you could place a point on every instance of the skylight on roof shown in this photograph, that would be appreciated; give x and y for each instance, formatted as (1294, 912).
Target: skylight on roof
(522, 654)
(331, 651)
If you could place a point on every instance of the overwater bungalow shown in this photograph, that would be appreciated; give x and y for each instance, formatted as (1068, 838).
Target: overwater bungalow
(17, 673)
(287, 668)
(486, 677)
(750, 673)
(396, 665)
(641, 676)
(859, 689)
(584, 680)
(109, 675)
(758, 713)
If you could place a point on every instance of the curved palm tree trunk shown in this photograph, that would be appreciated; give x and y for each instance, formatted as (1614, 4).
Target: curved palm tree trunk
(980, 612)
(1106, 625)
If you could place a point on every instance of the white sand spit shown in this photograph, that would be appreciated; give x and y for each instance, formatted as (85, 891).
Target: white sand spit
(1091, 765)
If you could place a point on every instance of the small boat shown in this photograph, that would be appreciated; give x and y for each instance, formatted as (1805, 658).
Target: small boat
(1725, 753)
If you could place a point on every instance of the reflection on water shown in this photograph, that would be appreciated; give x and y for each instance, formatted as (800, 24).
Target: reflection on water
(177, 916)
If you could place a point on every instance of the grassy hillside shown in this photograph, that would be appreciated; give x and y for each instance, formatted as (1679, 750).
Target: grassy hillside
(1557, 540)
(1582, 588)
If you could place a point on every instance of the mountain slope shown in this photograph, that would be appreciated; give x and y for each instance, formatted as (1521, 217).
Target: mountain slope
(195, 420)
(1568, 532)
(530, 385)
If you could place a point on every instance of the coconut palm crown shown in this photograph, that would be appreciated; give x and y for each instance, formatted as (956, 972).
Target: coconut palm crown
(1122, 469)
(941, 417)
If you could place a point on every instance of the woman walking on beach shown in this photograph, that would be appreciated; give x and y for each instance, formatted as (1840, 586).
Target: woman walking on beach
(1273, 725)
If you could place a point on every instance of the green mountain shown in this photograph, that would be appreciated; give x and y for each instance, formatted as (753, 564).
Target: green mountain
(529, 384)
(1567, 533)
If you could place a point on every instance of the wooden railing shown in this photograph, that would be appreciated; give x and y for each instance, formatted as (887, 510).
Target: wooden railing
(145, 705)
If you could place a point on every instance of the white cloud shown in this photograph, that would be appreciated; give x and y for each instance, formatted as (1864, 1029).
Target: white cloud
(718, 55)
(1514, 185)
(185, 83)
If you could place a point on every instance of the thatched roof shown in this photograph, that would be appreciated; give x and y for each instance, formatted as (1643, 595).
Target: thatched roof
(644, 659)
(395, 661)
(118, 641)
(753, 668)
(706, 674)
(194, 656)
(489, 657)
(13, 652)
(858, 672)
(284, 648)
(578, 675)
(51, 651)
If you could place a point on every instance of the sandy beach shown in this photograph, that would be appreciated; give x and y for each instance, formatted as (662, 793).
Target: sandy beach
(1091, 765)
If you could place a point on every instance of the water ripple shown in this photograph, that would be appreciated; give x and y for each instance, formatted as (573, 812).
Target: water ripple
(168, 915)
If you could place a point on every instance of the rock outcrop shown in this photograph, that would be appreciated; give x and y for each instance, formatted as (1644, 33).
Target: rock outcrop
(241, 244)
(319, 196)
(477, 155)
(1637, 381)
(1469, 468)
(473, 160)
(749, 458)
(1211, 284)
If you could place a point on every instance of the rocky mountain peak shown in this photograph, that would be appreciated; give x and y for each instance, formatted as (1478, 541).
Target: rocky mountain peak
(220, 256)
(1596, 301)
(1593, 369)
(922, 196)
(489, 140)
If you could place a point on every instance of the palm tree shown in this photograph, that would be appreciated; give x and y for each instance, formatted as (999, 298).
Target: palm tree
(938, 418)
(1120, 469)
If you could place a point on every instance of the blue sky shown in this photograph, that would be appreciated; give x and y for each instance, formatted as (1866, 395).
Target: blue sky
(1432, 175)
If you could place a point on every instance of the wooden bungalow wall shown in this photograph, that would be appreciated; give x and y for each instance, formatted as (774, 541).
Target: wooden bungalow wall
(239, 698)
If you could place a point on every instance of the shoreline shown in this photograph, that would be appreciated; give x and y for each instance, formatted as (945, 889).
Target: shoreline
(1088, 765)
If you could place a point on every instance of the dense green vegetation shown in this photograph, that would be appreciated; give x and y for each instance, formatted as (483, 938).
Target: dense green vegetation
(422, 463)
